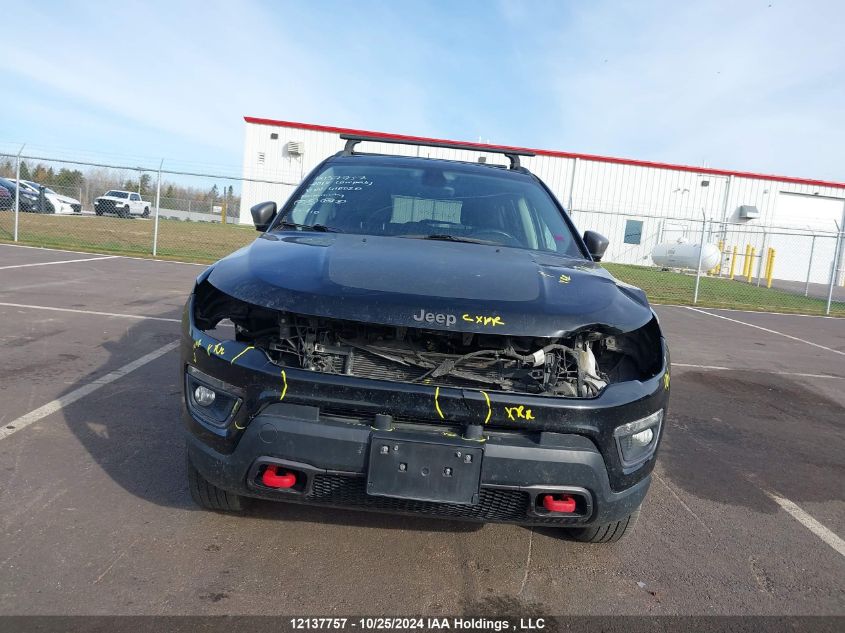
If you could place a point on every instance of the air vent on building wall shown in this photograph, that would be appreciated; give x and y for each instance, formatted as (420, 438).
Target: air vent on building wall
(295, 148)
(749, 212)
(260, 157)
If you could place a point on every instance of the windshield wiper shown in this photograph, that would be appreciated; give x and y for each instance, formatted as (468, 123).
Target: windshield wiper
(445, 237)
(322, 228)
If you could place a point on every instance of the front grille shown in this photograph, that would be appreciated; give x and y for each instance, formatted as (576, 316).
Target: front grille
(493, 505)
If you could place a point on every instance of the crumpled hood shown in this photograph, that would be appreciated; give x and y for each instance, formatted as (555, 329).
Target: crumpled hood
(429, 284)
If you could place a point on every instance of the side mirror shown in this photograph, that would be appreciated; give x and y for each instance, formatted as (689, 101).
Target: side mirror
(263, 214)
(596, 244)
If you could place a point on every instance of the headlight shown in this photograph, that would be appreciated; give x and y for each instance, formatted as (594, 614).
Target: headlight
(637, 440)
(210, 400)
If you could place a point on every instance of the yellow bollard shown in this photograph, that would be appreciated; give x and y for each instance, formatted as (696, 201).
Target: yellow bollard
(746, 263)
(770, 268)
(751, 264)
(733, 263)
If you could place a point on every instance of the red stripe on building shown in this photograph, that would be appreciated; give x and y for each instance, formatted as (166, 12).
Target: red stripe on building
(545, 152)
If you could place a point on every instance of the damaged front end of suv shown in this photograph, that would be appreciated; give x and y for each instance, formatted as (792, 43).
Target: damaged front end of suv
(387, 366)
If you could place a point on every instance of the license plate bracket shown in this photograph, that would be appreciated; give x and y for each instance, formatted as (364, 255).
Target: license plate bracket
(444, 471)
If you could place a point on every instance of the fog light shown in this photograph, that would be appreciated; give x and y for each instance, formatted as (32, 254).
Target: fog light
(204, 396)
(210, 400)
(639, 439)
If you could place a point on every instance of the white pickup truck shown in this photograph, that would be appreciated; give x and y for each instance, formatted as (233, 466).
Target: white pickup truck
(122, 203)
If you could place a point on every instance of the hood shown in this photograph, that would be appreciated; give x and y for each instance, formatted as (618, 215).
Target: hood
(429, 284)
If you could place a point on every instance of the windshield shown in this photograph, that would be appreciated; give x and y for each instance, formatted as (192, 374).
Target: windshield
(36, 187)
(117, 194)
(434, 202)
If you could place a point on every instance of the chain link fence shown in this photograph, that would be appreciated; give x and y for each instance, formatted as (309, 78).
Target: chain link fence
(155, 211)
(136, 210)
(778, 269)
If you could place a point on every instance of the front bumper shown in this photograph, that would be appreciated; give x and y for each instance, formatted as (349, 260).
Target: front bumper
(332, 456)
(31, 206)
(106, 206)
(65, 207)
(320, 426)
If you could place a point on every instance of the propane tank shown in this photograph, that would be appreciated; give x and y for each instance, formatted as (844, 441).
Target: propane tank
(681, 254)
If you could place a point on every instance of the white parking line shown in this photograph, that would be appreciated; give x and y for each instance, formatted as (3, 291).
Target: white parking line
(785, 314)
(810, 523)
(765, 329)
(757, 371)
(66, 261)
(59, 403)
(108, 314)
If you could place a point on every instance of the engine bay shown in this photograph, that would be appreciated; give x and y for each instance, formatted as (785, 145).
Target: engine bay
(576, 366)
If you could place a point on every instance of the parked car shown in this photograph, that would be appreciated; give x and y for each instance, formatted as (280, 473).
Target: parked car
(41, 198)
(58, 202)
(122, 203)
(428, 337)
(29, 202)
(6, 201)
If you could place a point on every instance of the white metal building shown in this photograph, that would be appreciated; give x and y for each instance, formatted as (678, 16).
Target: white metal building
(636, 204)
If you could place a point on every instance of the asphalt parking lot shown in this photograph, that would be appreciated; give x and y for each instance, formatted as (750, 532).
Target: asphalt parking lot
(746, 514)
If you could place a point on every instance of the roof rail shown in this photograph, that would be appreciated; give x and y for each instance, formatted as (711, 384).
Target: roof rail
(513, 154)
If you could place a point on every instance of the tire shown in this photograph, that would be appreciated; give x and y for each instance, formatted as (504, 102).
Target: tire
(125, 212)
(146, 213)
(208, 496)
(98, 212)
(607, 532)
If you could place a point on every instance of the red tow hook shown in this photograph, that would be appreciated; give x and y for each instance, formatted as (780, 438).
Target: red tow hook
(274, 477)
(563, 503)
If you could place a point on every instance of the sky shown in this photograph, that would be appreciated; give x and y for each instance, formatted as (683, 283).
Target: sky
(747, 85)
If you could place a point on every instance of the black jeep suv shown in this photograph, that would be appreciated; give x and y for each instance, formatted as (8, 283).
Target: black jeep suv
(424, 336)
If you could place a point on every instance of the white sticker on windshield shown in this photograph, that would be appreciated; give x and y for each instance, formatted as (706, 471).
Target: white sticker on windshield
(331, 189)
